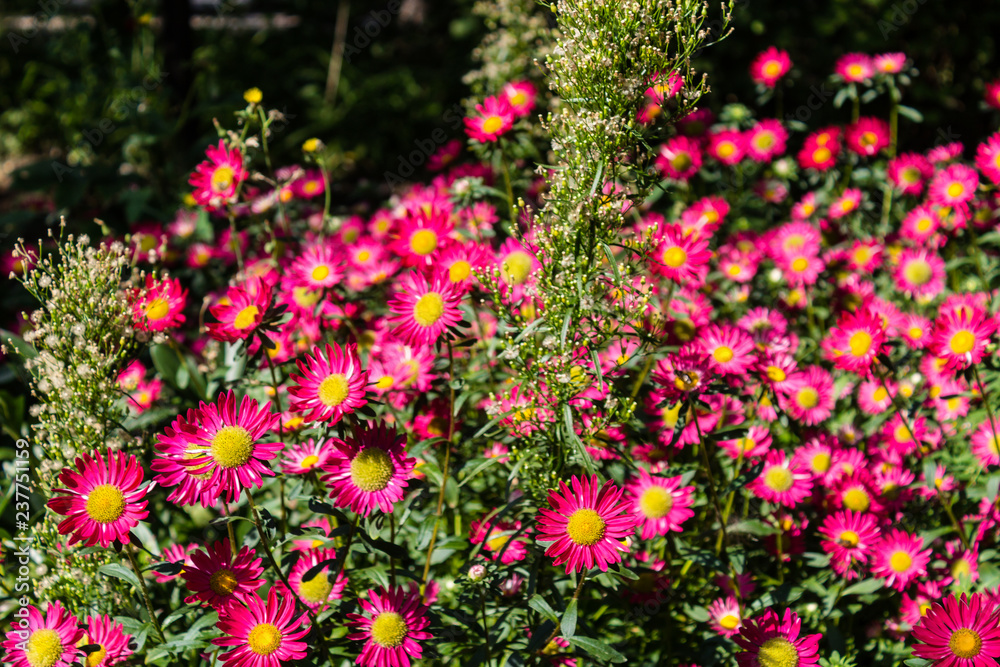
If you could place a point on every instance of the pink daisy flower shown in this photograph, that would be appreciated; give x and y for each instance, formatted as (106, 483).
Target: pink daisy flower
(175, 558)
(332, 384)
(319, 267)
(516, 263)
(215, 180)
(919, 225)
(110, 639)
(659, 504)
(500, 544)
(320, 587)
(171, 464)
(730, 350)
(770, 640)
(679, 158)
(494, 117)
(856, 341)
(223, 442)
(961, 336)
(909, 171)
(986, 444)
(44, 641)
(680, 257)
(867, 136)
(520, 95)
(766, 140)
(160, 306)
(242, 313)
(845, 204)
(306, 457)
(727, 146)
(809, 397)
(586, 525)
(219, 579)
(424, 311)
(900, 558)
(102, 499)
(920, 271)
(821, 149)
(370, 469)
(769, 66)
(782, 481)
(725, 617)
(756, 443)
(960, 632)
(953, 186)
(854, 67)
(391, 625)
(889, 63)
(988, 158)
(263, 634)
(849, 538)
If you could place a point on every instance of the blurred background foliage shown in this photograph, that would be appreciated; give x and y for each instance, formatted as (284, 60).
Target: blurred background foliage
(106, 109)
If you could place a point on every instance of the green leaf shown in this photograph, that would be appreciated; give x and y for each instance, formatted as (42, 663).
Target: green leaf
(481, 466)
(864, 587)
(567, 626)
(596, 648)
(166, 362)
(119, 571)
(910, 113)
(24, 350)
(538, 603)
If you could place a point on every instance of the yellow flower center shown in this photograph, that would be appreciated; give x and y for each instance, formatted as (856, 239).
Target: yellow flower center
(918, 272)
(771, 69)
(779, 479)
(320, 272)
(305, 297)
(264, 639)
(807, 398)
(821, 155)
(746, 444)
(902, 434)
(900, 561)
(764, 140)
(423, 242)
(849, 538)
(821, 462)
(868, 138)
(492, 124)
(459, 271)
(725, 149)
(860, 342)
(515, 267)
(681, 161)
(855, 71)
(232, 446)
(675, 257)
(95, 657)
(106, 503)
(497, 542)
(309, 461)
(364, 256)
(777, 652)
(962, 342)
(371, 469)
(385, 382)
(965, 643)
(389, 629)
(428, 309)
(246, 318)
(518, 98)
(317, 589)
(729, 622)
(656, 502)
(775, 374)
(44, 648)
(157, 309)
(334, 390)
(955, 190)
(857, 500)
(310, 187)
(723, 354)
(253, 95)
(585, 527)
(800, 264)
(880, 395)
(223, 582)
(924, 608)
(222, 179)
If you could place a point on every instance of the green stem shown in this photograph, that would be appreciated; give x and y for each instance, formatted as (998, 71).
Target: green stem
(721, 540)
(145, 593)
(229, 527)
(576, 597)
(486, 627)
(444, 468)
(270, 556)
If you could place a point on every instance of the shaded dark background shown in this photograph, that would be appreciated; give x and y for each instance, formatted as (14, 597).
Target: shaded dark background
(86, 129)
